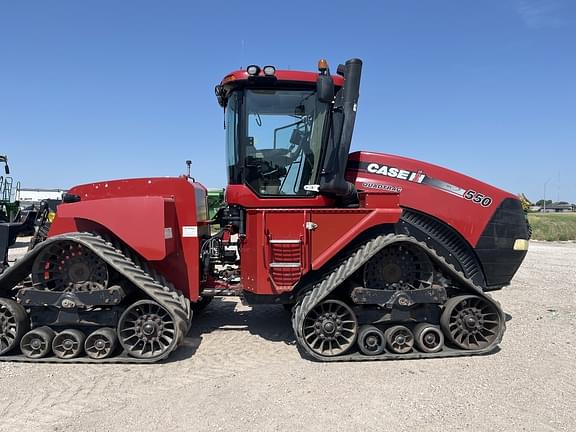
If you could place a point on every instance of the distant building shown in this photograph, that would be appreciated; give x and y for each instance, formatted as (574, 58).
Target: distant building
(559, 207)
(28, 197)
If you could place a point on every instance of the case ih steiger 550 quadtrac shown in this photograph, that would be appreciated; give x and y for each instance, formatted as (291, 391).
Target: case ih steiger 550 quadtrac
(378, 256)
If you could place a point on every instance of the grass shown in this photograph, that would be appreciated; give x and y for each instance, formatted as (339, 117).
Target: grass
(553, 226)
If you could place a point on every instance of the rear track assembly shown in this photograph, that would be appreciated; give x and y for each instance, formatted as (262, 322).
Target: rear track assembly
(161, 328)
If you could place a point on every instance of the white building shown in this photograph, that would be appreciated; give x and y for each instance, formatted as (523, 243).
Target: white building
(34, 196)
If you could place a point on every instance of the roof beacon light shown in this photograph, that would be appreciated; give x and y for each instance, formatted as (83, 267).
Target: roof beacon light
(253, 70)
(269, 70)
(322, 65)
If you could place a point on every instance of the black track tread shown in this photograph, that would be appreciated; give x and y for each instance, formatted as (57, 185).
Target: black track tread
(158, 277)
(125, 262)
(341, 271)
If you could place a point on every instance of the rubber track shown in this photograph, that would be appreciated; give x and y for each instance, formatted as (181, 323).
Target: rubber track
(339, 273)
(126, 263)
(447, 238)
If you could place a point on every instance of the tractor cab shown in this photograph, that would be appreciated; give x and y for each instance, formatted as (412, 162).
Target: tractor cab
(284, 130)
(274, 140)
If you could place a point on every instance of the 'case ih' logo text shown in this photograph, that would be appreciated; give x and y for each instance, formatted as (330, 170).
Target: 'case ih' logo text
(398, 173)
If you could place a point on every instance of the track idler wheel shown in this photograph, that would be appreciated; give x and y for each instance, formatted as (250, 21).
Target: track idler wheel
(399, 339)
(101, 344)
(13, 324)
(428, 338)
(471, 322)
(148, 331)
(68, 344)
(330, 329)
(37, 343)
(371, 340)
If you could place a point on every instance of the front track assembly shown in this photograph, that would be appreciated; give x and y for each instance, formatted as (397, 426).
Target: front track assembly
(70, 276)
(326, 326)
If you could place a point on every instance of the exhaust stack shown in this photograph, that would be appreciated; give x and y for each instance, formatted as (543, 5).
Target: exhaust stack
(344, 117)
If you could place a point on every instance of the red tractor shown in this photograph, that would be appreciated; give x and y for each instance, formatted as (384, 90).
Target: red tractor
(377, 256)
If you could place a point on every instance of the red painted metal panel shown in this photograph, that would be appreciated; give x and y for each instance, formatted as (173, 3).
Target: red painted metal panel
(145, 230)
(465, 203)
(336, 228)
(281, 236)
(274, 236)
(139, 211)
(244, 196)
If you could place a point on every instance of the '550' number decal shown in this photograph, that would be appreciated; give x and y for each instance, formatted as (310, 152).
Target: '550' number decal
(478, 198)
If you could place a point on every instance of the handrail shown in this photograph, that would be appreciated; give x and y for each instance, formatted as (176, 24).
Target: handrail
(7, 191)
(17, 192)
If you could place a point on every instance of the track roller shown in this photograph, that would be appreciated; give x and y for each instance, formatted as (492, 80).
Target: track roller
(399, 339)
(68, 344)
(101, 344)
(428, 338)
(37, 343)
(471, 322)
(371, 340)
(13, 325)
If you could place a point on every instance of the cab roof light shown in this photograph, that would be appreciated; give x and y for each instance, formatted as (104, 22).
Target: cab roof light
(269, 70)
(253, 70)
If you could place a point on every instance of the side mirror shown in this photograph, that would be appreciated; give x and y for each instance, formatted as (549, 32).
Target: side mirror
(325, 88)
(7, 169)
(220, 95)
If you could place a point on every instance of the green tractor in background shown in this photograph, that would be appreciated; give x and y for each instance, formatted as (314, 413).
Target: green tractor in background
(215, 196)
(215, 201)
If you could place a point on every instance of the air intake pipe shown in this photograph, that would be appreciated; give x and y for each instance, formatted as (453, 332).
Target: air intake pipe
(332, 181)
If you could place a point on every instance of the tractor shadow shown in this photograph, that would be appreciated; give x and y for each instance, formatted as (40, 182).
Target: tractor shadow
(227, 314)
(270, 322)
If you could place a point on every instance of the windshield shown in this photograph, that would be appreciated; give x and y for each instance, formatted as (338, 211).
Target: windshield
(274, 139)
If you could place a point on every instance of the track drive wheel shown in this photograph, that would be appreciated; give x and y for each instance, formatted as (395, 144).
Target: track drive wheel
(399, 339)
(331, 328)
(429, 338)
(68, 344)
(371, 340)
(69, 266)
(101, 344)
(37, 343)
(13, 325)
(148, 331)
(398, 265)
(471, 322)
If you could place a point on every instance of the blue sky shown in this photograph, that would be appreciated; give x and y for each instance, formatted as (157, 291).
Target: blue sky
(92, 90)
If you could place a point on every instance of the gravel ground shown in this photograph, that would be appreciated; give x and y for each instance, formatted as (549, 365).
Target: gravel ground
(240, 370)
